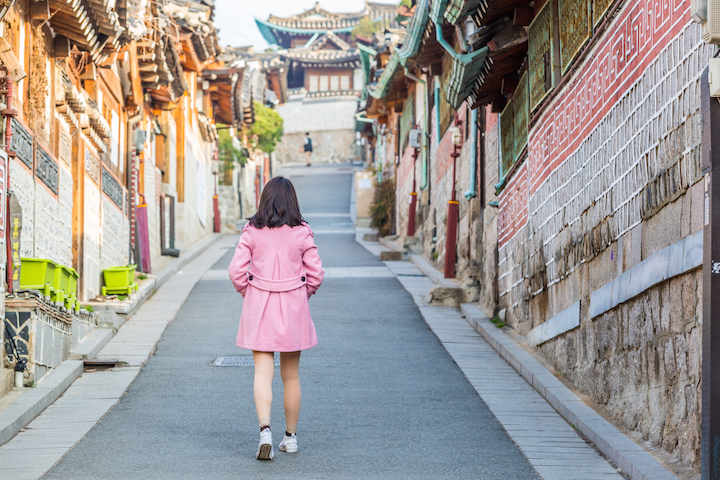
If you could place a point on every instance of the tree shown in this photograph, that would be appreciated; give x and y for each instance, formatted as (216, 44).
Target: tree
(268, 128)
(228, 155)
(366, 27)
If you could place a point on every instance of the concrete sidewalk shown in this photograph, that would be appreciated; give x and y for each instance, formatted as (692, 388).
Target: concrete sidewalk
(46, 439)
(513, 385)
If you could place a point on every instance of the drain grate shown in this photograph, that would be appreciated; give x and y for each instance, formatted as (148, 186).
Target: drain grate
(239, 361)
(409, 275)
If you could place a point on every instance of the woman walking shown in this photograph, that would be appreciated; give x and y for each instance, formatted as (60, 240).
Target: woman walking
(276, 268)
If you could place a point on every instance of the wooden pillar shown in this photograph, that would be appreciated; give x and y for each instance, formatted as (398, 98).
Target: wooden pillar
(78, 210)
(179, 114)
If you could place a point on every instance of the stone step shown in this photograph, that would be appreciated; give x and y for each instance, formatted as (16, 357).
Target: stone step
(89, 347)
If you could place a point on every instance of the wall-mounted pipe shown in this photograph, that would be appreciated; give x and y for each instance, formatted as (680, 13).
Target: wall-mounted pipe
(472, 191)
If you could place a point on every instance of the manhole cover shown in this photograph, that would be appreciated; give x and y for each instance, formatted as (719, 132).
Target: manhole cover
(239, 361)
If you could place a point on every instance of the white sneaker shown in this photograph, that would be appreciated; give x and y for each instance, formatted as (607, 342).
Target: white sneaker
(265, 448)
(289, 444)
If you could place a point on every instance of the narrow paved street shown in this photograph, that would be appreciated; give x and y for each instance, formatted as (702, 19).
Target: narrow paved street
(382, 398)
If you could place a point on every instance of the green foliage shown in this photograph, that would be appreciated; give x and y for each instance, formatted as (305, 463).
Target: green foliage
(89, 308)
(382, 210)
(268, 127)
(407, 3)
(228, 155)
(366, 28)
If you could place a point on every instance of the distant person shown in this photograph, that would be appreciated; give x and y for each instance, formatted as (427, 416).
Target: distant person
(276, 268)
(308, 149)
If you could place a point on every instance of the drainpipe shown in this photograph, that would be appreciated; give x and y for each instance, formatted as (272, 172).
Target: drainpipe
(472, 191)
(130, 172)
(436, 81)
(426, 133)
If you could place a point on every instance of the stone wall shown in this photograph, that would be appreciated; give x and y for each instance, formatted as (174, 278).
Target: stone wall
(611, 178)
(642, 361)
(329, 146)
(331, 124)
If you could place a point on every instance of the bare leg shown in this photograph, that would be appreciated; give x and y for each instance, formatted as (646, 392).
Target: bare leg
(290, 372)
(262, 387)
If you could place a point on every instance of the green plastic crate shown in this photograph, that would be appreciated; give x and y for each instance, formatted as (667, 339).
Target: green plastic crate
(119, 280)
(38, 274)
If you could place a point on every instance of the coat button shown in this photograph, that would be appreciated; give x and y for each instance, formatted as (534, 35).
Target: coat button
(250, 278)
(303, 279)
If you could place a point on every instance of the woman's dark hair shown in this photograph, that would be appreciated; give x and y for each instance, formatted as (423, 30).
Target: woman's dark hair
(278, 205)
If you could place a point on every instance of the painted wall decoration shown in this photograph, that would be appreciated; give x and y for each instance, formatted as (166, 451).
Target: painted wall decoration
(112, 188)
(638, 34)
(47, 169)
(22, 144)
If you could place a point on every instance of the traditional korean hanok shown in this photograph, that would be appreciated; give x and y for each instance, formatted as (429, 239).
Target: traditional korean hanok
(324, 79)
(580, 108)
(65, 138)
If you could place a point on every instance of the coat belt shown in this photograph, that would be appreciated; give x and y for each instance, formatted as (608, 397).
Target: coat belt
(276, 285)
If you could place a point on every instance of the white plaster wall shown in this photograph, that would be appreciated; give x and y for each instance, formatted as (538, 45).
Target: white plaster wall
(115, 235)
(92, 268)
(63, 232)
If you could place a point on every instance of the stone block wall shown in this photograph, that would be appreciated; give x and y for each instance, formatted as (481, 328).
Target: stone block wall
(642, 362)
(329, 146)
(612, 177)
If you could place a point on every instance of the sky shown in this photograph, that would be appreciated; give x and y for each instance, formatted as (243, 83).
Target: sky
(236, 18)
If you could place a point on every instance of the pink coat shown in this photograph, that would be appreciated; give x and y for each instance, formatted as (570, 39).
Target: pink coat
(276, 270)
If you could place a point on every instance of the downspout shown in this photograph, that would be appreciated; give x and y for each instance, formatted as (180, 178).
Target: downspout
(423, 183)
(472, 191)
(436, 81)
(130, 172)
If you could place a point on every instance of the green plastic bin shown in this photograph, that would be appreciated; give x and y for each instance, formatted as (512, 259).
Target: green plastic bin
(119, 280)
(68, 284)
(38, 274)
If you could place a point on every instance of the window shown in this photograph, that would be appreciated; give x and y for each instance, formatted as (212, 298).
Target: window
(345, 82)
(513, 128)
(323, 83)
(543, 55)
(334, 82)
(313, 83)
(575, 20)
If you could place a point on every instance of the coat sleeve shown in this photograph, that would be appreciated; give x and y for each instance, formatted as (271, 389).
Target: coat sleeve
(240, 263)
(312, 265)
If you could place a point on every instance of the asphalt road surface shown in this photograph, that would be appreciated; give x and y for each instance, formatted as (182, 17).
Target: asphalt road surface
(381, 396)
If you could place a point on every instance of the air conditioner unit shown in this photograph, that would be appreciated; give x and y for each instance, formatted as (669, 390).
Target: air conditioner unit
(711, 27)
(698, 10)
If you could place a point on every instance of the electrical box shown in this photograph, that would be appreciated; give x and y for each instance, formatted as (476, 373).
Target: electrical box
(714, 77)
(711, 27)
(139, 138)
(415, 139)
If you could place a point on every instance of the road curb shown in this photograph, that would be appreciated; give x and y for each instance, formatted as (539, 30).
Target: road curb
(625, 453)
(23, 410)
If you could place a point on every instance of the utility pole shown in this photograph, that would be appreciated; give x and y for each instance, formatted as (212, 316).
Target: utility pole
(710, 108)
